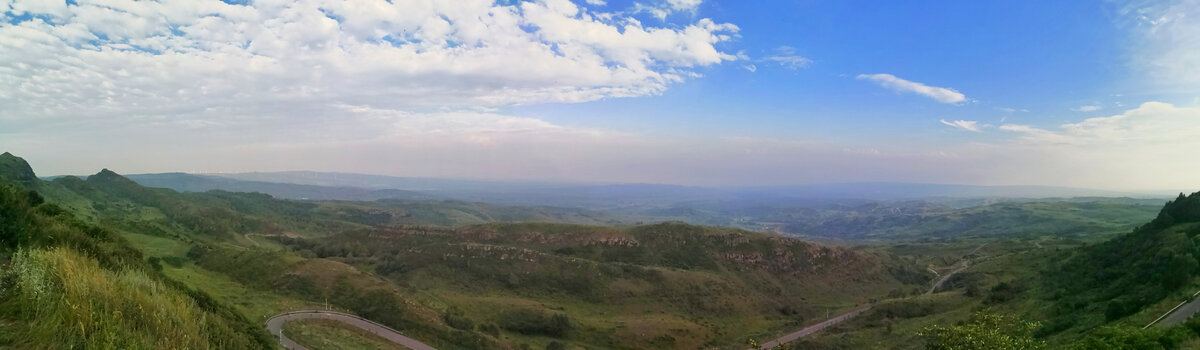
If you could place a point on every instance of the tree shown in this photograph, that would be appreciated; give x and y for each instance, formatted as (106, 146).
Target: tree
(985, 331)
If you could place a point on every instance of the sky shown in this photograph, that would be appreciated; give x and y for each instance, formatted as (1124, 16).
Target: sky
(1096, 94)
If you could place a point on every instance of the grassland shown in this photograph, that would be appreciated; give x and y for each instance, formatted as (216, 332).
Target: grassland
(491, 286)
(68, 284)
(334, 335)
(669, 285)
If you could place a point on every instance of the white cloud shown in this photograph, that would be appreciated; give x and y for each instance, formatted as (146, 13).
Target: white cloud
(941, 94)
(786, 56)
(684, 5)
(750, 67)
(596, 2)
(969, 125)
(1087, 108)
(148, 58)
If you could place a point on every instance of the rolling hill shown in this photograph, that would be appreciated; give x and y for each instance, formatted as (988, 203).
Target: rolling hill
(497, 285)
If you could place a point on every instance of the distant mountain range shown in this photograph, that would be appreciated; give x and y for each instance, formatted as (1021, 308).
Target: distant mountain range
(183, 182)
(847, 211)
(348, 186)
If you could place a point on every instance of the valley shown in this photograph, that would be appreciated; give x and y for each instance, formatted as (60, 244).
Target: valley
(454, 274)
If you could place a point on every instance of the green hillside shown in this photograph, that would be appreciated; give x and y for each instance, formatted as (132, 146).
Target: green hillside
(1080, 296)
(67, 284)
(917, 220)
(1117, 278)
(460, 275)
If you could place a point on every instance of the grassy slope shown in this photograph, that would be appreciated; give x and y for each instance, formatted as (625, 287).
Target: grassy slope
(1089, 296)
(1061, 218)
(334, 335)
(273, 281)
(680, 286)
(68, 284)
(664, 285)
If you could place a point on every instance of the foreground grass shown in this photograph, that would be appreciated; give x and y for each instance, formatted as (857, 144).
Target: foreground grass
(65, 300)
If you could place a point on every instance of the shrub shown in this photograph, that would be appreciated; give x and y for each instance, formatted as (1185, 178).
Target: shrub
(533, 322)
(455, 318)
(985, 331)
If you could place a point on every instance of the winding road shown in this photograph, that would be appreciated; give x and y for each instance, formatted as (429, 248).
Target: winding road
(275, 326)
(965, 262)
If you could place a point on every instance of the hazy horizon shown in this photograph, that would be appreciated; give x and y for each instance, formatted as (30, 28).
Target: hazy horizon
(687, 92)
(1099, 192)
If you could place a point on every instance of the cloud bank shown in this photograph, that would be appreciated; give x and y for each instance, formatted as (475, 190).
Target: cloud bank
(174, 57)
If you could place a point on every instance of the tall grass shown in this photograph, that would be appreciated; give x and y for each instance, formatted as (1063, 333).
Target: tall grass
(70, 285)
(67, 301)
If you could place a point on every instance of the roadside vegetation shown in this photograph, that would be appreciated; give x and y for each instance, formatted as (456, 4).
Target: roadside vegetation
(333, 335)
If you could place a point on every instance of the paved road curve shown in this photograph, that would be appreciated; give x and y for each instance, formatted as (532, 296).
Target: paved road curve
(1184, 312)
(275, 326)
(1180, 313)
(814, 328)
(833, 321)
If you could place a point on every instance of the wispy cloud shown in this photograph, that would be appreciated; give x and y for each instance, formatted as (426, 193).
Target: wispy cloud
(1166, 40)
(662, 8)
(969, 125)
(1010, 110)
(786, 56)
(940, 94)
(750, 67)
(685, 5)
(1088, 108)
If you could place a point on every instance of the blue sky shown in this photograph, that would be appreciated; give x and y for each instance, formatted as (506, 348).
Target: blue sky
(702, 92)
(1021, 55)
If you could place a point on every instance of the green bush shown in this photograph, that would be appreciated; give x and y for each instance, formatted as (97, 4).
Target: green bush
(455, 318)
(533, 322)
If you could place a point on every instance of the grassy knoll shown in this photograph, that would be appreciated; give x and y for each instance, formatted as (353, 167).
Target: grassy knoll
(334, 335)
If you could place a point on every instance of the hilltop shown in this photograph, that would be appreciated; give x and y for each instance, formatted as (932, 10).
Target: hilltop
(17, 170)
